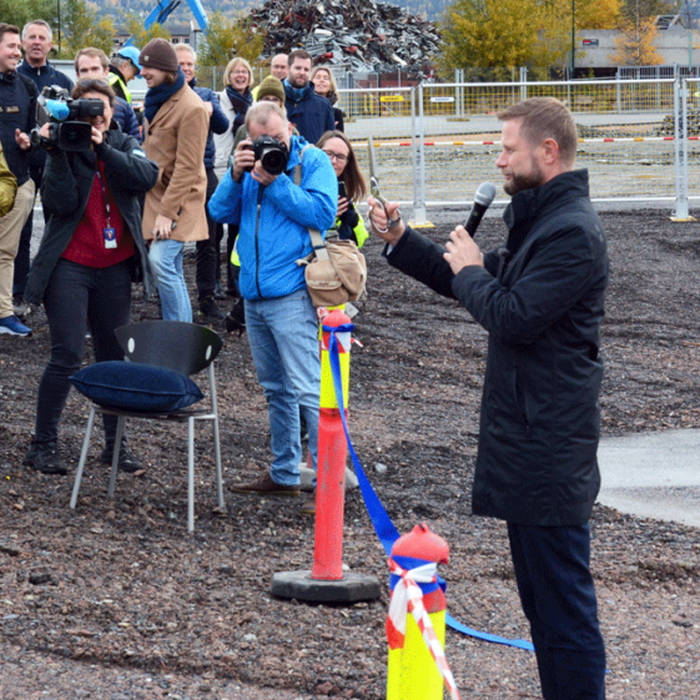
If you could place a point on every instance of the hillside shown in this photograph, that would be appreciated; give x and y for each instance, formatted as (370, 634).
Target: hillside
(119, 10)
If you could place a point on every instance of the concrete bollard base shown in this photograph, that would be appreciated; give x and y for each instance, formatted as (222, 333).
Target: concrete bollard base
(352, 588)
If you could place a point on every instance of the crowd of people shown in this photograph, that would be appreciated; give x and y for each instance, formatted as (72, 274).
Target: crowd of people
(121, 210)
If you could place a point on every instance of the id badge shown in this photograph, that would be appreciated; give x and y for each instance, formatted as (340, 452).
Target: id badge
(110, 237)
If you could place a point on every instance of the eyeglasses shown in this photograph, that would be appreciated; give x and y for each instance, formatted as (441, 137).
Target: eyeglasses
(239, 72)
(340, 157)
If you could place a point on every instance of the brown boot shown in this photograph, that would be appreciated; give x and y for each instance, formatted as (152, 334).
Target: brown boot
(265, 486)
(309, 507)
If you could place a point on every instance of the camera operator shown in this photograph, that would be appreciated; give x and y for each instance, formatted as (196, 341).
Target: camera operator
(274, 214)
(541, 300)
(92, 250)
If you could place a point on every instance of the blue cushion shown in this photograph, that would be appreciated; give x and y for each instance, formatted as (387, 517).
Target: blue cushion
(132, 386)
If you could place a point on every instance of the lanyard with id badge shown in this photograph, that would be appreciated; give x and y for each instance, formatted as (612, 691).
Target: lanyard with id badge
(108, 232)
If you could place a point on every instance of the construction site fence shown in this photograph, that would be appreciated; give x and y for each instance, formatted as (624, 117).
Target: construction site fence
(437, 142)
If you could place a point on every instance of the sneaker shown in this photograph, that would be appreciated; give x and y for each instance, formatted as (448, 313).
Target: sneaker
(45, 458)
(19, 306)
(219, 292)
(209, 308)
(13, 326)
(128, 462)
(265, 486)
(309, 507)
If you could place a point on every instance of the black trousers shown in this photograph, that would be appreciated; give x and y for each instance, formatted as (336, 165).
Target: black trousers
(558, 598)
(79, 298)
(208, 250)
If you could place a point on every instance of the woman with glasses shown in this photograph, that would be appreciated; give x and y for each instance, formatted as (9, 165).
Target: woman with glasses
(92, 250)
(351, 185)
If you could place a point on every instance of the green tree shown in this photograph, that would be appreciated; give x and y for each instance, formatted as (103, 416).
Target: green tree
(140, 35)
(80, 27)
(227, 38)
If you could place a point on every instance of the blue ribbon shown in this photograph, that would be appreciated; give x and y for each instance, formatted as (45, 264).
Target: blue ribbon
(383, 526)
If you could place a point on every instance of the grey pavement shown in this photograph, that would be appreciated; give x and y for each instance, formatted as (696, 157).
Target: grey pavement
(653, 475)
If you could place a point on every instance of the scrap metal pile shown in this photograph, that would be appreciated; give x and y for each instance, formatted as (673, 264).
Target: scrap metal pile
(364, 36)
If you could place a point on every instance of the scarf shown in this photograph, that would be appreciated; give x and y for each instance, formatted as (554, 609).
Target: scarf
(239, 101)
(297, 93)
(156, 97)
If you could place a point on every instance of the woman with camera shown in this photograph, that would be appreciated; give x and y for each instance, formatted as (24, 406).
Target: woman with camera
(351, 186)
(91, 252)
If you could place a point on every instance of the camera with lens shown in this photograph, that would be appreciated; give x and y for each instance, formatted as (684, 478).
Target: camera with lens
(55, 106)
(272, 154)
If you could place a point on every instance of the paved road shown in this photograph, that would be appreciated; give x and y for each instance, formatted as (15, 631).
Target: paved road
(655, 475)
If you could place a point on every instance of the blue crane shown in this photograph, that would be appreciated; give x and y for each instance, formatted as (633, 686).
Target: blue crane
(164, 9)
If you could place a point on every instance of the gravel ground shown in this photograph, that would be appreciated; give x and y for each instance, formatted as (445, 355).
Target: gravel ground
(115, 601)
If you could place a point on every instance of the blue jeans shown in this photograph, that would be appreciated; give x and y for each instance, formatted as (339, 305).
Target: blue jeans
(283, 337)
(558, 598)
(79, 298)
(166, 258)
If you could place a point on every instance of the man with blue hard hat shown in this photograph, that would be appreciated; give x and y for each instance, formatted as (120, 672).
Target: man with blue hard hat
(123, 67)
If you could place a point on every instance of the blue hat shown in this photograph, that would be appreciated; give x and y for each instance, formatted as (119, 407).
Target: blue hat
(132, 53)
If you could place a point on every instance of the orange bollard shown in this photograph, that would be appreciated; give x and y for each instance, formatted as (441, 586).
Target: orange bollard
(332, 455)
(326, 582)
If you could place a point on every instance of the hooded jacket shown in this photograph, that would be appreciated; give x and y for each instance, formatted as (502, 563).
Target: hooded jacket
(65, 190)
(274, 220)
(541, 299)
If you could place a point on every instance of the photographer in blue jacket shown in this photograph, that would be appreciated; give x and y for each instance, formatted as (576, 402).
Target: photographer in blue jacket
(274, 214)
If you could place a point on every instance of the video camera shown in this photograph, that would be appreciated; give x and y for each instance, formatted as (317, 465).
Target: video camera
(272, 154)
(62, 112)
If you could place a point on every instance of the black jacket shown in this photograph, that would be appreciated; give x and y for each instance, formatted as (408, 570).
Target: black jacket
(311, 114)
(541, 299)
(18, 107)
(65, 188)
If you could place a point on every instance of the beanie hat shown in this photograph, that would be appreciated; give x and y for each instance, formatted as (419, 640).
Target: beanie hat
(271, 86)
(160, 54)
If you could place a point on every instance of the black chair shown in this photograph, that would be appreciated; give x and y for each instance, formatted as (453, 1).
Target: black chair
(184, 348)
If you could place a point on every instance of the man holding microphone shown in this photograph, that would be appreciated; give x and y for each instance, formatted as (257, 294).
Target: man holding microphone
(541, 300)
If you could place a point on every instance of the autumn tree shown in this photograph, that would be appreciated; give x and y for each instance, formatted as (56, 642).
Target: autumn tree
(226, 38)
(80, 27)
(140, 35)
(636, 44)
(502, 33)
(598, 14)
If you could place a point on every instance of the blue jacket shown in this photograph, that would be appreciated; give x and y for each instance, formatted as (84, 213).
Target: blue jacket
(273, 236)
(312, 115)
(124, 115)
(18, 105)
(218, 122)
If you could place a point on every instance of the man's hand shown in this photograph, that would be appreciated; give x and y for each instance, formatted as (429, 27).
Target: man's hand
(462, 251)
(243, 159)
(162, 228)
(379, 219)
(22, 140)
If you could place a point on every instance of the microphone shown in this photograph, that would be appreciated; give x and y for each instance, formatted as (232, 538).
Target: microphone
(485, 194)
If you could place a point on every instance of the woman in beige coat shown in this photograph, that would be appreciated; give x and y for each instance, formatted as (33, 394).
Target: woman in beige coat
(176, 125)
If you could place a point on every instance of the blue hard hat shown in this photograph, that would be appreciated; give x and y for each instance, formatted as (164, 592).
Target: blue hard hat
(132, 53)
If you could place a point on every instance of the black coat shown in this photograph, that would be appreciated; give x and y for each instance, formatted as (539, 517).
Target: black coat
(541, 299)
(65, 189)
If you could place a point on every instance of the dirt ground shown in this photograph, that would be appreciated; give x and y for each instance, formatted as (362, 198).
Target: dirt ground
(116, 601)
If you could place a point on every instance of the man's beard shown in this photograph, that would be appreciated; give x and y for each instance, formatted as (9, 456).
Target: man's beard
(524, 181)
